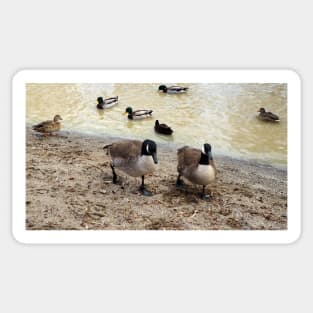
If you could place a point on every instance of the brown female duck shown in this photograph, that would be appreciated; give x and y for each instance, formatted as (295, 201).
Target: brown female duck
(49, 127)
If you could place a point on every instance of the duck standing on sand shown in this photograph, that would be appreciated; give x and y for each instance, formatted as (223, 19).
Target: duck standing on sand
(197, 166)
(49, 127)
(135, 158)
(106, 103)
(173, 89)
(267, 116)
(162, 128)
(138, 114)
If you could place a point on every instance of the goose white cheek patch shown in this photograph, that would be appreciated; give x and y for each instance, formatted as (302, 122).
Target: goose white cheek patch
(203, 150)
(65, 185)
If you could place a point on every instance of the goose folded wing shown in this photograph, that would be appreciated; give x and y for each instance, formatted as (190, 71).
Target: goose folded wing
(126, 149)
(188, 157)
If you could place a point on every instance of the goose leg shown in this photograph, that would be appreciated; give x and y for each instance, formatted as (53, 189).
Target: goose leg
(179, 182)
(114, 174)
(142, 188)
(203, 196)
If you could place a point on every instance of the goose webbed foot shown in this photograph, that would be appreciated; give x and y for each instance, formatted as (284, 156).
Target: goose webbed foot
(142, 188)
(144, 191)
(205, 197)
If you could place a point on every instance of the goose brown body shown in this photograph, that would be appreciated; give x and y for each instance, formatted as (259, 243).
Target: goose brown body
(133, 157)
(189, 166)
(126, 156)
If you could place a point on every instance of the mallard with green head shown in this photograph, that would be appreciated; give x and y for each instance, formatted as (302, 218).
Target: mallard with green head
(106, 103)
(49, 127)
(172, 89)
(267, 116)
(138, 114)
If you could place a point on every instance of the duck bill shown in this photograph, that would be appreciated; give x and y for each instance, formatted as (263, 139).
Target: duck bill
(155, 159)
(124, 113)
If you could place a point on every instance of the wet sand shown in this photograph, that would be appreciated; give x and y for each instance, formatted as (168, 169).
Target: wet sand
(69, 187)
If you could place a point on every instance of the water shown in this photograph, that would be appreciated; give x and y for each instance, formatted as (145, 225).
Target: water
(221, 114)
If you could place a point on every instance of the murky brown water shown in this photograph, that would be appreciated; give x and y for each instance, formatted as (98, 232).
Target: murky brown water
(221, 114)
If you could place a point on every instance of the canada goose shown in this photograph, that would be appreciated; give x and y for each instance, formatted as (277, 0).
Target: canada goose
(138, 114)
(172, 89)
(106, 103)
(135, 158)
(196, 165)
(267, 116)
(49, 127)
(162, 128)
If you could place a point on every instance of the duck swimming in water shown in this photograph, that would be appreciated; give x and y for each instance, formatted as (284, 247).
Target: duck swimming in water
(138, 114)
(162, 128)
(173, 89)
(267, 116)
(106, 103)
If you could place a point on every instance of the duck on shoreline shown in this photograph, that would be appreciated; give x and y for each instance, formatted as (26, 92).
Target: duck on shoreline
(138, 114)
(106, 103)
(172, 89)
(48, 127)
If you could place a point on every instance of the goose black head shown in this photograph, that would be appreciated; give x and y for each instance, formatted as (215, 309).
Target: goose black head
(157, 123)
(206, 154)
(163, 88)
(262, 110)
(207, 148)
(149, 147)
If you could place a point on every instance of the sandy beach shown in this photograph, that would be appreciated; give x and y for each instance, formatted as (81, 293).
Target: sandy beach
(69, 187)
